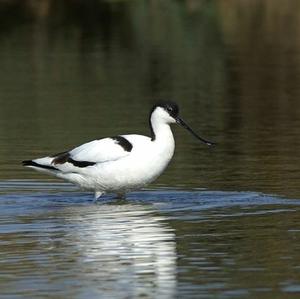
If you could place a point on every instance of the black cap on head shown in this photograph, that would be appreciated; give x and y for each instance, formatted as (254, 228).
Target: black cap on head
(168, 106)
(173, 110)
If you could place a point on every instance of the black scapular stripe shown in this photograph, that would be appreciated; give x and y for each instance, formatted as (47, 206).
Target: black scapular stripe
(66, 157)
(80, 163)
(32, 163)
(127, 146)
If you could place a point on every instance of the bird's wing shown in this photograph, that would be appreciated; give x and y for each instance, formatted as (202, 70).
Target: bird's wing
(92, 153)
(103, 150)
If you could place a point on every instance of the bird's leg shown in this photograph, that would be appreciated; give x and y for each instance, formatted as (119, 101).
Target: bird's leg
(98, 194)
(121, 195)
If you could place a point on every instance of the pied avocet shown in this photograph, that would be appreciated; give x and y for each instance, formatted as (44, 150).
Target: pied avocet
(121, 163)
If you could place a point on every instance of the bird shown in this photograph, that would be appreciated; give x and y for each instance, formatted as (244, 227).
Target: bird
(122, 163)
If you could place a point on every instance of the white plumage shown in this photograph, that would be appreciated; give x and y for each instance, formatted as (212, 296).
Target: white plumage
(122, 163)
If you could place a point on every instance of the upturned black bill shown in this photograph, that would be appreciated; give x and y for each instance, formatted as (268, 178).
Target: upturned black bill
(183, 124)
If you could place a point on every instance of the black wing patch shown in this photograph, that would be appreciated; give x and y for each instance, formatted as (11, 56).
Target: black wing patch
(127, 146)
(81, 163)
(61, 158)
(64, 157)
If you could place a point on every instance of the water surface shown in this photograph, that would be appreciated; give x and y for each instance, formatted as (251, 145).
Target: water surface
(56, 242)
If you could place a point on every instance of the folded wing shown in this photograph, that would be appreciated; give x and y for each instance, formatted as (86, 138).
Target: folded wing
(84, 156)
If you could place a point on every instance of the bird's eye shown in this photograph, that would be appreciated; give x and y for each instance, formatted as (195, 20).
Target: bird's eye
(169, 109)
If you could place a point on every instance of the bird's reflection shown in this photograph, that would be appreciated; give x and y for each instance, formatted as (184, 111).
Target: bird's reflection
(125, 248)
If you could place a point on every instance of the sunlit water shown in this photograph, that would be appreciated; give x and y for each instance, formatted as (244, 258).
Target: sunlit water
(221, 222)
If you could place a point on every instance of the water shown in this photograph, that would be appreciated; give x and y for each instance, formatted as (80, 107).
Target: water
(57, 243)
(219, 223)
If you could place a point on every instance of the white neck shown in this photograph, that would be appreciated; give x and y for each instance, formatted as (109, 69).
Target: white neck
(161, 132)
(162, 140)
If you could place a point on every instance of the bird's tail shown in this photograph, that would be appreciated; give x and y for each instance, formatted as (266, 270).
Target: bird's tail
(41, 164)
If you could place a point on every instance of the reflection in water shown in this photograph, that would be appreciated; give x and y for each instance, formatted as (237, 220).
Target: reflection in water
(91, 250)
(127, 248)
(158, 244)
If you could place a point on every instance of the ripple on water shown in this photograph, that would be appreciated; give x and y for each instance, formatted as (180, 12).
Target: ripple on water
(157, 243)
